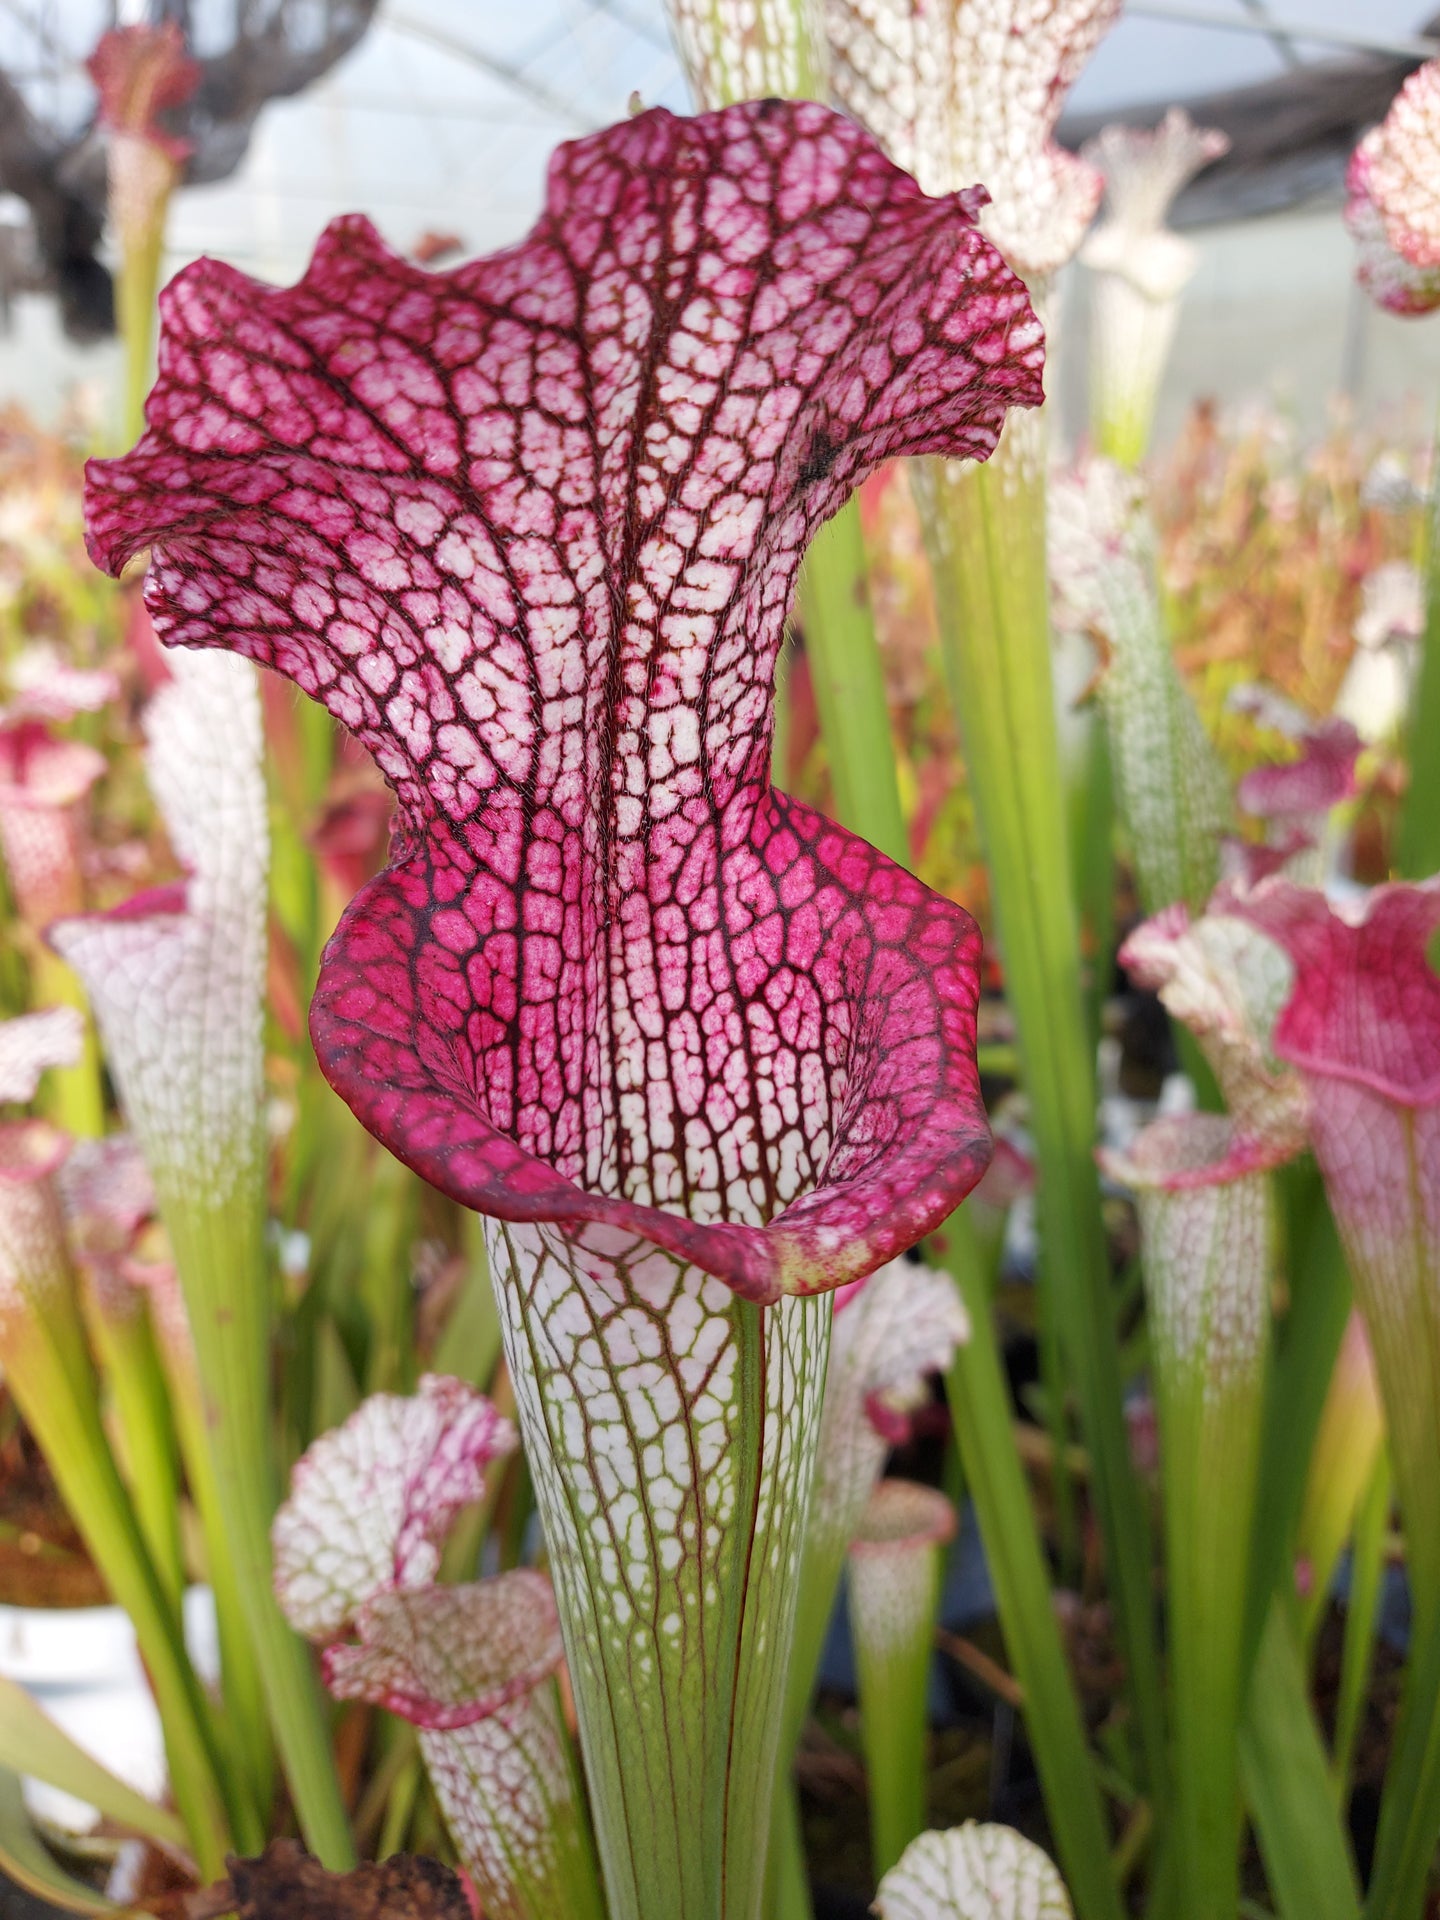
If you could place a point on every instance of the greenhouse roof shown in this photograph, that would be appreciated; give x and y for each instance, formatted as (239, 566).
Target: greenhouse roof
(445, 114)
(442, 116)
(439, 118)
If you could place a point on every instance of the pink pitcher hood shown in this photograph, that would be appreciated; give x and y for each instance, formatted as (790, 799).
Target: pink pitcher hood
(1362, 1026)
(530, 529)
(140, 72)
(445, 1657)
(1227, 982)
(1365, 1007)
(1303, 790)
(43, 783)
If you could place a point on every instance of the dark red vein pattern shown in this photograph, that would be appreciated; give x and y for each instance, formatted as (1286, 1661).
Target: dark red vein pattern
(531, 529)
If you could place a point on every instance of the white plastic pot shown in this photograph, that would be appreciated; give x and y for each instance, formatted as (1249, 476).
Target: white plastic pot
(83, 1666)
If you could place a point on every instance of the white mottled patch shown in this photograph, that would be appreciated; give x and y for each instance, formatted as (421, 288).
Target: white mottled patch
(657, 1492)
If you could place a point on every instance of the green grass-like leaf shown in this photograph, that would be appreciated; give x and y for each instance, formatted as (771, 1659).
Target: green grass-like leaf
(31, 1742)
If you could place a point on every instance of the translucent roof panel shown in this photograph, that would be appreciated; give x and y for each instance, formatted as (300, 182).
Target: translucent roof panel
(444, 115)
(441, 119)
(1175, 49)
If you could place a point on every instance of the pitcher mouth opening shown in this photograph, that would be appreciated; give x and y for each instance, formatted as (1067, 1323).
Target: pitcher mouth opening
(903, 1135)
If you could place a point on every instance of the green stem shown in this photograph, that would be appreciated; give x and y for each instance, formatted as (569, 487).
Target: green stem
(1349, 1445)
(125, 1345)
(399, 1807)
(869, 1340)
(1362, 1616)
(33, 1742)
(893, 1658)
(849, 681)
(822, 1563)
(241, 1689)
(1069, 1544)
(386, 1287)
(985, 529)
(301, 757)
(395, 1750)
(1410, 1809)
(219, 1255)
(1210, 1417)
(821, 1567)
(73, 1097)
(735, 54)
(1122, 438)
(1306, 1345)
(1287, 1787)
(469, 1346)
(1130, 336)
(1417, 854)
(1092, 856)
(335, 1392)
(787, 1880)
(980, 1407)
(295, 885)
(1171, 792)
(136, 281)
(581, 1894)
(670, 1429)
(48, 1372)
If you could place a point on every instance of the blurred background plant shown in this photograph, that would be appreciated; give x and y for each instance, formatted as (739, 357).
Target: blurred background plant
(1284, 581)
